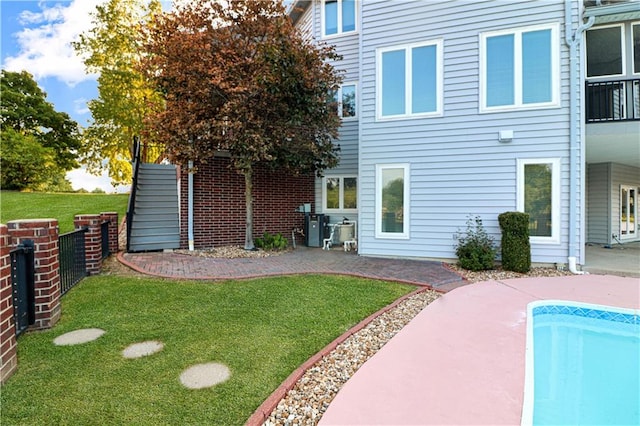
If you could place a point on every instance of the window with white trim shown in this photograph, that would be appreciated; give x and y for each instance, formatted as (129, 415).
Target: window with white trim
(605, 51)
(392, 201)
(345, 97)
(519, 68)
(409, 80)
(539, 196)
(340, 194)
(635, 40)
(338, 17)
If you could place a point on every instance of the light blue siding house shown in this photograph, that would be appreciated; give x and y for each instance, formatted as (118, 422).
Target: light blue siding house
(474, 108)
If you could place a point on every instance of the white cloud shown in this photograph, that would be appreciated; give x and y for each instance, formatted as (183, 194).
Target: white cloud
(45, 43)
(79, 178)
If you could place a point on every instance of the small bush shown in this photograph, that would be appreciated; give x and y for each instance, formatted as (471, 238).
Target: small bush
(269, 242)
(475, 248)
(516, 249)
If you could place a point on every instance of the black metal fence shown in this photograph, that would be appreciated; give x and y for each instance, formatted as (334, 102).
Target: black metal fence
(104, 231)
(23, 286)
(73, 264)
(613, 100)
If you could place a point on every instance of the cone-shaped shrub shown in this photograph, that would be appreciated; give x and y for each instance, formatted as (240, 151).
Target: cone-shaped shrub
(516, 249)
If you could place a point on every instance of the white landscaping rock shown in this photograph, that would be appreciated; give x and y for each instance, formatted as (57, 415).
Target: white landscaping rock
(139, 350)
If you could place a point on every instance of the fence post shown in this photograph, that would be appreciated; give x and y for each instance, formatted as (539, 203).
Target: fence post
(8, 348)
(112, 218)
(44, 233)
(92, 240)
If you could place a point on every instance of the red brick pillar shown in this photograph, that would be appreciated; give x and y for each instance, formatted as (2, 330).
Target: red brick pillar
(44, 234)
(8, 348)
(112, 218)
(92, 240)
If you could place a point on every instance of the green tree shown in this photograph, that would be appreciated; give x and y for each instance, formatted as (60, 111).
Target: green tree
(39, 144)
(237, 77)
(111, 48)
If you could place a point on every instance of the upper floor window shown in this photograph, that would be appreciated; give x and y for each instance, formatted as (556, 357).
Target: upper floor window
(519, 68)
(345, 97)
(605, 51)
(635, 29)
(409, 80)
(339, 16)
(340, 193)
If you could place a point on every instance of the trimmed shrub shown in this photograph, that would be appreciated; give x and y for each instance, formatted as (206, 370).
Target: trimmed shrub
(269, 242)
(475, 248)
(516, 249)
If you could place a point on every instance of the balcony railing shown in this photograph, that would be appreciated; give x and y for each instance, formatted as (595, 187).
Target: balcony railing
(613, 100)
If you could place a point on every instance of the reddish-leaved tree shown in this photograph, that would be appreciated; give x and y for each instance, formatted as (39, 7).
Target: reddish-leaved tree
(237, 77)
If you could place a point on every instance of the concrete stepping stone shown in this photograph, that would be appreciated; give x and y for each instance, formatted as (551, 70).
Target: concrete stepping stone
(142, 349)
(206, 375)
(77, 337)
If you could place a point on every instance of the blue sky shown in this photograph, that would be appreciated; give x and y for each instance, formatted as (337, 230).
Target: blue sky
(36, 37)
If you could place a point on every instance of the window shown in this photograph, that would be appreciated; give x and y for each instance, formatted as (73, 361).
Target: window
(339, 16)
(519, 68)
(539, 195)
(635, 29)
(605, 51)
(345, 97)
(392, 201)
(340, 193)
(409, 80)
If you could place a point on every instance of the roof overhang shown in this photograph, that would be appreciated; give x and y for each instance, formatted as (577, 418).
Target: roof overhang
(616, 12)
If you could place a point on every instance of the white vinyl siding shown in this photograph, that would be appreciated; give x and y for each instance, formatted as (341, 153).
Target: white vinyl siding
(519, 68)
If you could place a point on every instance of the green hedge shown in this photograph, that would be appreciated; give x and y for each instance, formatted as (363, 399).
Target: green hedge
(516, 249)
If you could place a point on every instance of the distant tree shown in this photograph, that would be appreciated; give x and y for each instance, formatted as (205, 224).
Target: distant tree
(39, 144)
(238, 77)
(111, 48)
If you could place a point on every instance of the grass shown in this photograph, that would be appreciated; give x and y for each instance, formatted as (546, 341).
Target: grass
(261, 329)
(62, 206)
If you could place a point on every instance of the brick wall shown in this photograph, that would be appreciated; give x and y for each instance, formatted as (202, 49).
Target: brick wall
(219, 204)
(8, 348)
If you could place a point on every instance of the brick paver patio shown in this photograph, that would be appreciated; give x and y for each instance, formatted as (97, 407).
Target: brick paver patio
(303, 260)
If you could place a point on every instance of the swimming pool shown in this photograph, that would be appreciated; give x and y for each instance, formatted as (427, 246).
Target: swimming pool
(582, 364)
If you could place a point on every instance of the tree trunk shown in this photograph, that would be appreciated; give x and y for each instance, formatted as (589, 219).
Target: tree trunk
(248, 198)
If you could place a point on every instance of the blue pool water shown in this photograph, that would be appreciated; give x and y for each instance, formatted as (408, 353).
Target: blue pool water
(586, 365)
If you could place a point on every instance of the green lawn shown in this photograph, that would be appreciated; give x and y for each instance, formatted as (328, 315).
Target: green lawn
(261, 329)
(38, 205)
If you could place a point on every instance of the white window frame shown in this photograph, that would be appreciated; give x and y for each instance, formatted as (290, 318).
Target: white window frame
(339, 95)
(408, 80)
(341, 208)
(406, 202)
(555, 196)
(323, 27)
(633, 47)
(555, 69)
(623, 50)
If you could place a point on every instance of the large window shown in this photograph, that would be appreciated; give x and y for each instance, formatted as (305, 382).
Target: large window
(392, 201)
(345, 97)
(539, 196)
(605, 51)
(338, 16)
(340, 193)
(519, 68)
(635, 29)
(409, 80)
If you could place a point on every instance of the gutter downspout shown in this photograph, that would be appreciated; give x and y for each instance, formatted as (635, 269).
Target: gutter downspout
(190, 206)
(572, 39)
